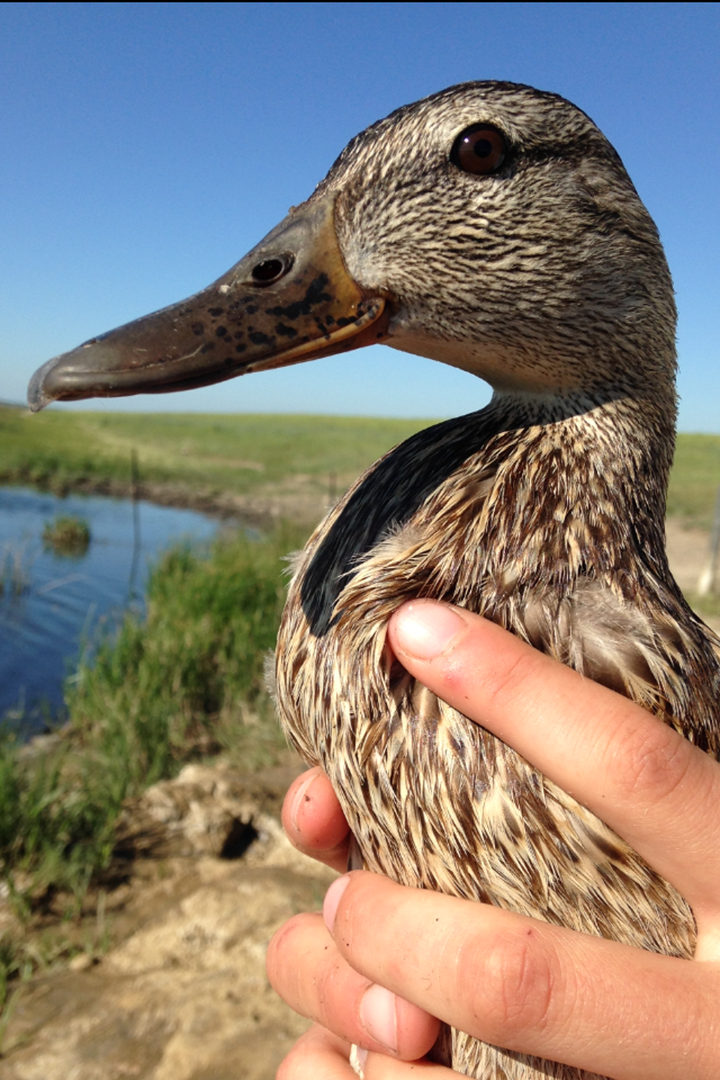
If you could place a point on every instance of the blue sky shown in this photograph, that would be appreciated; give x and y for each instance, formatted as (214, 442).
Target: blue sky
(146, 147)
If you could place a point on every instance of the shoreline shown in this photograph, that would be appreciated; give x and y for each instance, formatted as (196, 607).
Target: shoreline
(261, 510)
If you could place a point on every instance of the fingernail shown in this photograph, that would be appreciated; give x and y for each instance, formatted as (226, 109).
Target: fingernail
(302, 793)
(423, 630)
(332, 899)
(379, 1017)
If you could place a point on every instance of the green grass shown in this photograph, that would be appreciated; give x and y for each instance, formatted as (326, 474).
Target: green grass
(252, 454)
(706, 606)
(173, 684)
(182, 683)
(695, 479)
(66, 535)
(241, 454)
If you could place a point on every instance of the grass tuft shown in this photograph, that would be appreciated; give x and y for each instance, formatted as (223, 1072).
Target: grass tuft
(67, 535)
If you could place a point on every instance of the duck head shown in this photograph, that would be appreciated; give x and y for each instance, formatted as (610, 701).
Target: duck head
(490, 226)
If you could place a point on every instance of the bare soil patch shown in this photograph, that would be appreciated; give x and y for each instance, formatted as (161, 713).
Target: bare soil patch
(181, 994)
(688, 554)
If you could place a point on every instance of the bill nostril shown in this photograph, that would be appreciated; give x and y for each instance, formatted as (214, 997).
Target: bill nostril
(271, 270)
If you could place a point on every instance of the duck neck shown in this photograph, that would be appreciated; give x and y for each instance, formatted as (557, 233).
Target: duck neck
(580, 483)
(531, 490)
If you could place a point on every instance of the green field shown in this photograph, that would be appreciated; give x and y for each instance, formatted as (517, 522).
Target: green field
(253, 454)
(238, 454)
(695, 479)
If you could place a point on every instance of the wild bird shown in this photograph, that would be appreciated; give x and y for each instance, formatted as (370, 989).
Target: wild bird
(492, 227)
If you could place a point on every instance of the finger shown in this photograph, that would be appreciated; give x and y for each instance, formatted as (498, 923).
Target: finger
(638, 775)
(321, 1055)
(314, 822)
(381, 1067)
(528, 986)
(318, 1054)
(307, 971)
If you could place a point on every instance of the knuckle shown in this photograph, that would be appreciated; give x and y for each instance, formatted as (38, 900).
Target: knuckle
(506, 678)
(519, 982)
(282, 938)
(282, 947)
(650, 762)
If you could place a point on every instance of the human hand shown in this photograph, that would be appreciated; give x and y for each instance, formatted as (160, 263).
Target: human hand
(509, 980)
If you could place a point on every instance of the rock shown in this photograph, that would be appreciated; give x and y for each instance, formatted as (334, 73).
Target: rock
(205, 811)
(81, 962)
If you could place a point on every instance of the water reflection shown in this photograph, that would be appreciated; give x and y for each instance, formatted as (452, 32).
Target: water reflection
(50, 601)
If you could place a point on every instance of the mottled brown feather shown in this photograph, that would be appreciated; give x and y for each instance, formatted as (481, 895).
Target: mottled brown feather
(543, 512)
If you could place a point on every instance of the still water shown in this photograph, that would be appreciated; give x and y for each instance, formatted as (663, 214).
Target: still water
(51, 602)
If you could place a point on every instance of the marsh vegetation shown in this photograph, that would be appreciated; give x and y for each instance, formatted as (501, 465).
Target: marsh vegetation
(184, 681)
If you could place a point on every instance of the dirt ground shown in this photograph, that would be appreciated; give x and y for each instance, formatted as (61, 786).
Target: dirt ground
(689, 553)
(172, 986)
(181, 994)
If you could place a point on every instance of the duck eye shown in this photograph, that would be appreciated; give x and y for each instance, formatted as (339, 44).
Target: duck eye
(479, 149)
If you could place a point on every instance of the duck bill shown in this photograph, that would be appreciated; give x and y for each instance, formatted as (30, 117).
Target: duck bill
(290, 299)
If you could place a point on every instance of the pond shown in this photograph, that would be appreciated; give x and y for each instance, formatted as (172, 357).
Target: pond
(51, 603)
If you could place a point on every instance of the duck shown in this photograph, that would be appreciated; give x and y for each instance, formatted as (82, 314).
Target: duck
(491, 227)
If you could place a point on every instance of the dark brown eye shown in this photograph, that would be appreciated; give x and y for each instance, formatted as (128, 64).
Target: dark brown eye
(479, 149)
